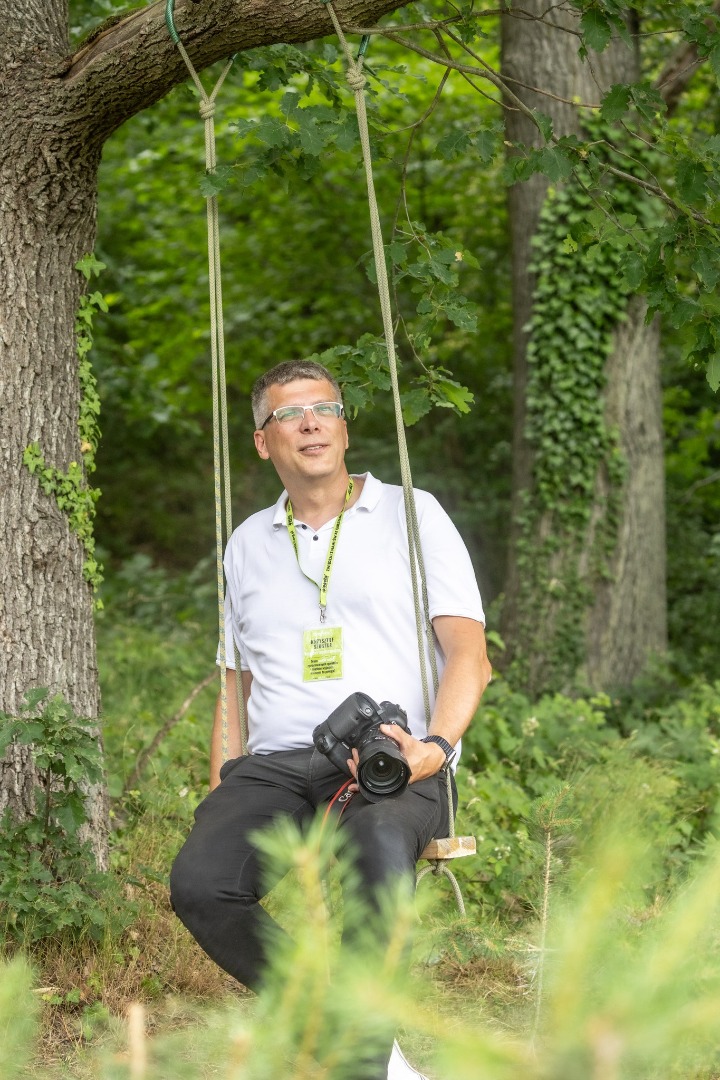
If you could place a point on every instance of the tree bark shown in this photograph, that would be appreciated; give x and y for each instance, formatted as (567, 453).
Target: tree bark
(624, 620)
(59, 110)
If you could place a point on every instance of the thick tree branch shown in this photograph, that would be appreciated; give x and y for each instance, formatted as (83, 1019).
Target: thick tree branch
(132, 63)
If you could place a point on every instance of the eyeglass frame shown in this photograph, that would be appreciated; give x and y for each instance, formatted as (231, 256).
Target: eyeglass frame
(305, 409)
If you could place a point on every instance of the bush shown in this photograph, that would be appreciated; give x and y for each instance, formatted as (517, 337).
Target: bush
(662, 761)
(49, 881)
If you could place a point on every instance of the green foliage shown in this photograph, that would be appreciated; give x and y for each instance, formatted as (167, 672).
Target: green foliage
(49, 883)
(71, 490)
(657, 763)
(516, 752)
(156, 641)
(291, 146)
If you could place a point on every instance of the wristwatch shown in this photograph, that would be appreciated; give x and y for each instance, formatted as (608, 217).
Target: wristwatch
(447, 748)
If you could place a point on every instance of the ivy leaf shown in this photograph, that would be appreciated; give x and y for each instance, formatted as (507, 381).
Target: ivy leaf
(596, 29)
(90, 265)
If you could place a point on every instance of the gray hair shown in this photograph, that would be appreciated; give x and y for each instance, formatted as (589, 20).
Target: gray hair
(287, 372)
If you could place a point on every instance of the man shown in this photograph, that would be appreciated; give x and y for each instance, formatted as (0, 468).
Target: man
(319, 603)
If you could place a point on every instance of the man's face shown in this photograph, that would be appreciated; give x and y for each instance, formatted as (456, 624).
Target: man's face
(303, 449)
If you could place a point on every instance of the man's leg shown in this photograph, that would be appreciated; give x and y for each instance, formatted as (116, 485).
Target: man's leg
(386, 840)
(218, 878)
(388, 837)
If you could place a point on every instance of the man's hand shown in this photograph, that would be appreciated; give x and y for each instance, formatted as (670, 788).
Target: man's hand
(424, 759)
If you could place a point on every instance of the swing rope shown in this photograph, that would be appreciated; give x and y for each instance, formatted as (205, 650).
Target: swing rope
(356, 81)
(221, 452)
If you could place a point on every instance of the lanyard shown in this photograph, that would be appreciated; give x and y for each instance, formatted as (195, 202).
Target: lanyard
(324, 582)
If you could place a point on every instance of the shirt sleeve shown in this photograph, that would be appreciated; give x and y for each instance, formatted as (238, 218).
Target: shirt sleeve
(233, 637)
(451, 582)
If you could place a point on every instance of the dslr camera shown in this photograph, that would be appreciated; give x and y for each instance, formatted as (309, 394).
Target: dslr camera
(382, 769)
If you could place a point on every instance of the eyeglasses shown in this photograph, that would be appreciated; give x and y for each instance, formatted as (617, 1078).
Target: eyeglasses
(323, 410)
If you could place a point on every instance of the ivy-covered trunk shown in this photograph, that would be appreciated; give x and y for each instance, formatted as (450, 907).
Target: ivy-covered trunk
(585, 598)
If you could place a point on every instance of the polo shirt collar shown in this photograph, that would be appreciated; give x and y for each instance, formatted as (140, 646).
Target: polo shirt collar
(369, 498)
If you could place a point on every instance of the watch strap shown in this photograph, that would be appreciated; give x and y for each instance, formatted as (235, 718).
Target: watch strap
(447, 748)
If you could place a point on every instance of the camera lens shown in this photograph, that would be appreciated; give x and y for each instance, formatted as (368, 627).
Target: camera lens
(382, 770)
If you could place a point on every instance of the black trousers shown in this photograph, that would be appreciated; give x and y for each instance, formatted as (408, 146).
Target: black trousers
(218, 879)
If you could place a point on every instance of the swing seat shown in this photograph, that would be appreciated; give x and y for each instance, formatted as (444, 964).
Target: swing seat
(450, 847)
(438, 854)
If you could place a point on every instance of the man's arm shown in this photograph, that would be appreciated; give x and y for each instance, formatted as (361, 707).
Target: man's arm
(233, 725)
(466, 674)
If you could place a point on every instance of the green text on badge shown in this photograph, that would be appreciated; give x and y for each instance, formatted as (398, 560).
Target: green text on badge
(322, 654)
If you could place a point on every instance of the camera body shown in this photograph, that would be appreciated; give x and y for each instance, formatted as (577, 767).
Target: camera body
(382, 768)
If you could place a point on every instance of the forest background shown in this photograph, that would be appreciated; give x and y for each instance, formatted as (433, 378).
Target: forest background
(562, 738)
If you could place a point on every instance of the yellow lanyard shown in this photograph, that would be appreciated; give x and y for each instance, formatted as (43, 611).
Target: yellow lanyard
(324, 582)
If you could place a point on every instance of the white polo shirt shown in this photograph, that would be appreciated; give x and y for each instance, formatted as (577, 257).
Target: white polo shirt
(270, 603)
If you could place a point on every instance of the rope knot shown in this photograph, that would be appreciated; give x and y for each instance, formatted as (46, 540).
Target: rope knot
(207, 109)
(356, 79)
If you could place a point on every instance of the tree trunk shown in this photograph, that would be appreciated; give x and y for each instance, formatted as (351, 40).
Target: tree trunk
(48, 181)
(621, 621)
(628, 619)
(59, 109)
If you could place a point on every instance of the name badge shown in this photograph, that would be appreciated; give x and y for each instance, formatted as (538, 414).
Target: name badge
(322, 654)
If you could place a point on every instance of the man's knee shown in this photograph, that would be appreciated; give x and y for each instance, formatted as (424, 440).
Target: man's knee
(190, 889)
(379, 848)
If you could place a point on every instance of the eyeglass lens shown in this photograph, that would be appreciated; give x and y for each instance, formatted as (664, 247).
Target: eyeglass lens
(321, 411)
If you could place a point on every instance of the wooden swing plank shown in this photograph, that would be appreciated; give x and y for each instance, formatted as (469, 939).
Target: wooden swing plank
(450, 847)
